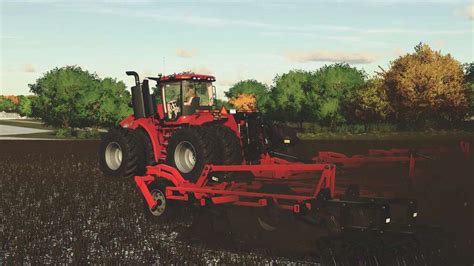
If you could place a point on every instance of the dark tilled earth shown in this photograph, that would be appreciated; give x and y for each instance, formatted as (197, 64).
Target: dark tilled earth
(57, 207)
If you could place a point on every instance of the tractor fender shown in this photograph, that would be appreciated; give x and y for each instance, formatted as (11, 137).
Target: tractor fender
(195, 120)
(128, 122)
(150, 128)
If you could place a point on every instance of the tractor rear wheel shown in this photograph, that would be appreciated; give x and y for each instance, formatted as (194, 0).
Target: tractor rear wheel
(230, 151)
(190, 149)
(119, 153)
(229, 143)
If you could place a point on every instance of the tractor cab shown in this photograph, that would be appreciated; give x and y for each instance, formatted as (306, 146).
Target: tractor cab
(184, 94)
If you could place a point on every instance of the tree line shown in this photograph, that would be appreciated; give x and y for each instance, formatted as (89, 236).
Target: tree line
(419, 88)
(423, 88)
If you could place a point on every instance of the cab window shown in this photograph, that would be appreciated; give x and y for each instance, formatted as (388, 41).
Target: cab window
(203, 90)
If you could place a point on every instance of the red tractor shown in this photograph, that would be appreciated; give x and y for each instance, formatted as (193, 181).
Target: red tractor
(179, 126)
(178, 147)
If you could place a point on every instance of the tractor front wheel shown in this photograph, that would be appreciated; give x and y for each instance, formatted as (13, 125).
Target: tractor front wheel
(119, 153)
(189, 150)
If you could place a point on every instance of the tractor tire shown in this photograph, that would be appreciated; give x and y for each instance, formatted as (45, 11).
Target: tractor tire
(230, 152)
(190, 149)
(229, 144)
(119, 153)
(147, 150)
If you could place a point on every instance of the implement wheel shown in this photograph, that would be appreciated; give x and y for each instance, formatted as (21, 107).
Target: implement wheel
(163, 207)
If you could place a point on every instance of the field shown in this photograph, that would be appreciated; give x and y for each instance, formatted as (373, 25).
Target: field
(58, 208)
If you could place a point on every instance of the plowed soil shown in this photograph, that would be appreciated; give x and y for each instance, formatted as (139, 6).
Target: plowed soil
(57, 207)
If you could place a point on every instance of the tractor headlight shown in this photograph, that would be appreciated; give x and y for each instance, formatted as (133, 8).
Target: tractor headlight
(286, 141)
(415, 214)
(387, 220)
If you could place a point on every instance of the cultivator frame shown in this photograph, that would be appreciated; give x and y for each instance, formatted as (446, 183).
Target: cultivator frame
(391, 156)
(311, 190)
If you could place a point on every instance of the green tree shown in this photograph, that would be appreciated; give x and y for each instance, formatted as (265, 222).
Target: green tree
(322, 95)
(333, 88)
(6, 105)
(70, 97)
(24, 107)
(112, 104)
(469, 72)
(218, 103)
(250, 86)
(469, 80)
(426, 86)
(371, 102)
(288, 97)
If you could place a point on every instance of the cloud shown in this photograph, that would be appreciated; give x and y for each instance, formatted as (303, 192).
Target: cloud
(28, 68)
(201, 70)
(331, 56)
(470, 12)
(466, 12)
(184, 53)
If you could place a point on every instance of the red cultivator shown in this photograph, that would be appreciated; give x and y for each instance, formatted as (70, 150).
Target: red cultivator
(310, 189)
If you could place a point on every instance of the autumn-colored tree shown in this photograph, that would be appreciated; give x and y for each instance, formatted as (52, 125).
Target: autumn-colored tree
(14, 99)
(426, 85)
(371, 102)
(244, 102)
(251, 86)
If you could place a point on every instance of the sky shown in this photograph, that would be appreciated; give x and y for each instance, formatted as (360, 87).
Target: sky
(233, 40)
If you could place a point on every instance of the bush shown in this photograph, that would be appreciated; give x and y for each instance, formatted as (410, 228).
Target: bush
(63, 132)
(88, 133)
(381, 127)
(350, 129)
